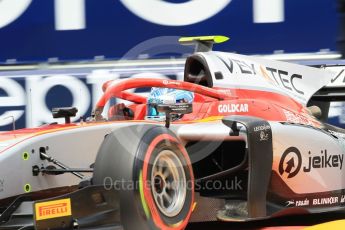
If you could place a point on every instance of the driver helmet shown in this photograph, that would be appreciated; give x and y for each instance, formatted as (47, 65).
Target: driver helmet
(165, 96)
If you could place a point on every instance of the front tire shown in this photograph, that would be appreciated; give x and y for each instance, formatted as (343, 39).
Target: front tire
(152, 159)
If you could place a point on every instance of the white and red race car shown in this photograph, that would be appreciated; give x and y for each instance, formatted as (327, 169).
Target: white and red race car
(252, 144)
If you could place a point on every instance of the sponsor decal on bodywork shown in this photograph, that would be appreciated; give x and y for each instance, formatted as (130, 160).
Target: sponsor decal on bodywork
(278, 77)
(291, 161)
(167, 82)
(328, 200)
(261, 128)
(296, 118)
(338, 80)
(263, 136)
(268, 75)
(324, 160)
(53, 209)
(337, 134)
(316, 200)
(233, 108)
(287, 162)
(297, 203)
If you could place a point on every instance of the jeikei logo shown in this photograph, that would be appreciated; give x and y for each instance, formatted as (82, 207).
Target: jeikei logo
(287, 163)
(53, 209)
(291, 161)
(324, 160)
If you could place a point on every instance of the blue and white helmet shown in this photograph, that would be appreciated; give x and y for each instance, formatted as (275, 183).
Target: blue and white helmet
(160, 96)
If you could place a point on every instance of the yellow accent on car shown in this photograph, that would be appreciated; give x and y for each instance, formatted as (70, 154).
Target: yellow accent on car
(215, 39)
(26, 156)
(53, 209)
(194, 206)
(213, 118)
(27, 188)
(142, 197)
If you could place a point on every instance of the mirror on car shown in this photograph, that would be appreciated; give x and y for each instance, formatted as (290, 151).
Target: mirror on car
(181, 108)
(169, 109)
(65, 112)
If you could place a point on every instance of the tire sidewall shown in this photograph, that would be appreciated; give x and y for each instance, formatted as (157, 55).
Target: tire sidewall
(153, 142)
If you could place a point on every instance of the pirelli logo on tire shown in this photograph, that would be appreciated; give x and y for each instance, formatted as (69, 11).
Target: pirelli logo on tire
(53, 209)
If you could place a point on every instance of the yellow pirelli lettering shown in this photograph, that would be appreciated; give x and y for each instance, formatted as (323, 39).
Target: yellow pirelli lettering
(53, 209)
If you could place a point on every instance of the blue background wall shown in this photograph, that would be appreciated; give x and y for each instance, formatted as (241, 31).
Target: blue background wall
(112, 30)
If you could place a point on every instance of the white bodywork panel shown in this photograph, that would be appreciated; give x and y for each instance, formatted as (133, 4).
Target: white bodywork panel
(317, 148)
(338, 79)
(244, 72)
(78, 148)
